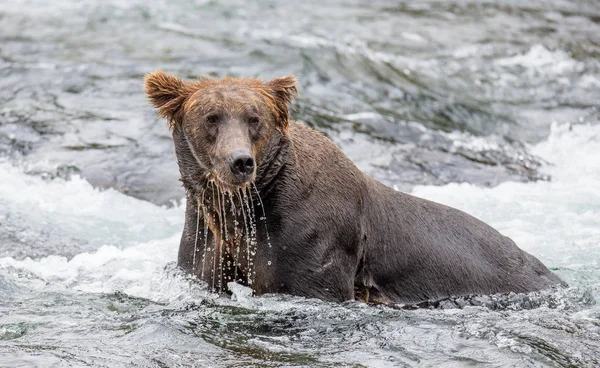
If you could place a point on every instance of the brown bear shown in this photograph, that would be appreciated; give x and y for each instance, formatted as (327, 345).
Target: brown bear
(277, 206)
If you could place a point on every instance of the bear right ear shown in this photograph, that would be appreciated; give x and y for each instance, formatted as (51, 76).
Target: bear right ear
(167, 93)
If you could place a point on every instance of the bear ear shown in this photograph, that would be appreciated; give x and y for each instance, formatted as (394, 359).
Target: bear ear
(282, 90)
(167, 93)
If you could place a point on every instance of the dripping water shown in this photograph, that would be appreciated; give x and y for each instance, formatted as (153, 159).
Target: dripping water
(204, 213)
(200, 205)
(246, 238)
(196, 241)
(226, 244)
(223, 239)
(236, 236)
(253, 232)
(252, 223)
(230, 245)
(214, 269)
(263, 218)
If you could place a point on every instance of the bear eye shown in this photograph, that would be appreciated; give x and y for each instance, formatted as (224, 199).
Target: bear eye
(253, 120)
(212, 119)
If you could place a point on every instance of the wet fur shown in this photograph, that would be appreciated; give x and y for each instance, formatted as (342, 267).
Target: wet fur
(335, 233)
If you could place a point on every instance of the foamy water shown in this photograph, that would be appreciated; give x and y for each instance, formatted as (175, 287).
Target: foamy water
(456, 97)
(557, 221)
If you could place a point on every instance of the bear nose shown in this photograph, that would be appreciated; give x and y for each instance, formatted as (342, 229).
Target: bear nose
(241, 163)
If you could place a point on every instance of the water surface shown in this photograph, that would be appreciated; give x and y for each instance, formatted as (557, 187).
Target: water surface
(488, 106)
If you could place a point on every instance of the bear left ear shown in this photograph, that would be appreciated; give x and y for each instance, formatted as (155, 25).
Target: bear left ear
(282, 90)
(167, 93)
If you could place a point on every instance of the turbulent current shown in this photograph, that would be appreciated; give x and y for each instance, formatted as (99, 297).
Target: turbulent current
(487, 106)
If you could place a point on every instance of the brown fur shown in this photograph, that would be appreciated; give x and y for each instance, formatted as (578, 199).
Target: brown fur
(330, 231)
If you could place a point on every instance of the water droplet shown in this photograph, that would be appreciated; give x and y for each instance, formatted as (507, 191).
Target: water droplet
(269, 263)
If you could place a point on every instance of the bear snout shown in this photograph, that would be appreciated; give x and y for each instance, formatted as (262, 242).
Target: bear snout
(241, 164)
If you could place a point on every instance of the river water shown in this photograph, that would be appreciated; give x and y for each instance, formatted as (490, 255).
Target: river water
(488, 106)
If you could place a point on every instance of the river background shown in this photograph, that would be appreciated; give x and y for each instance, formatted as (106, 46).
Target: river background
(488, 106)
